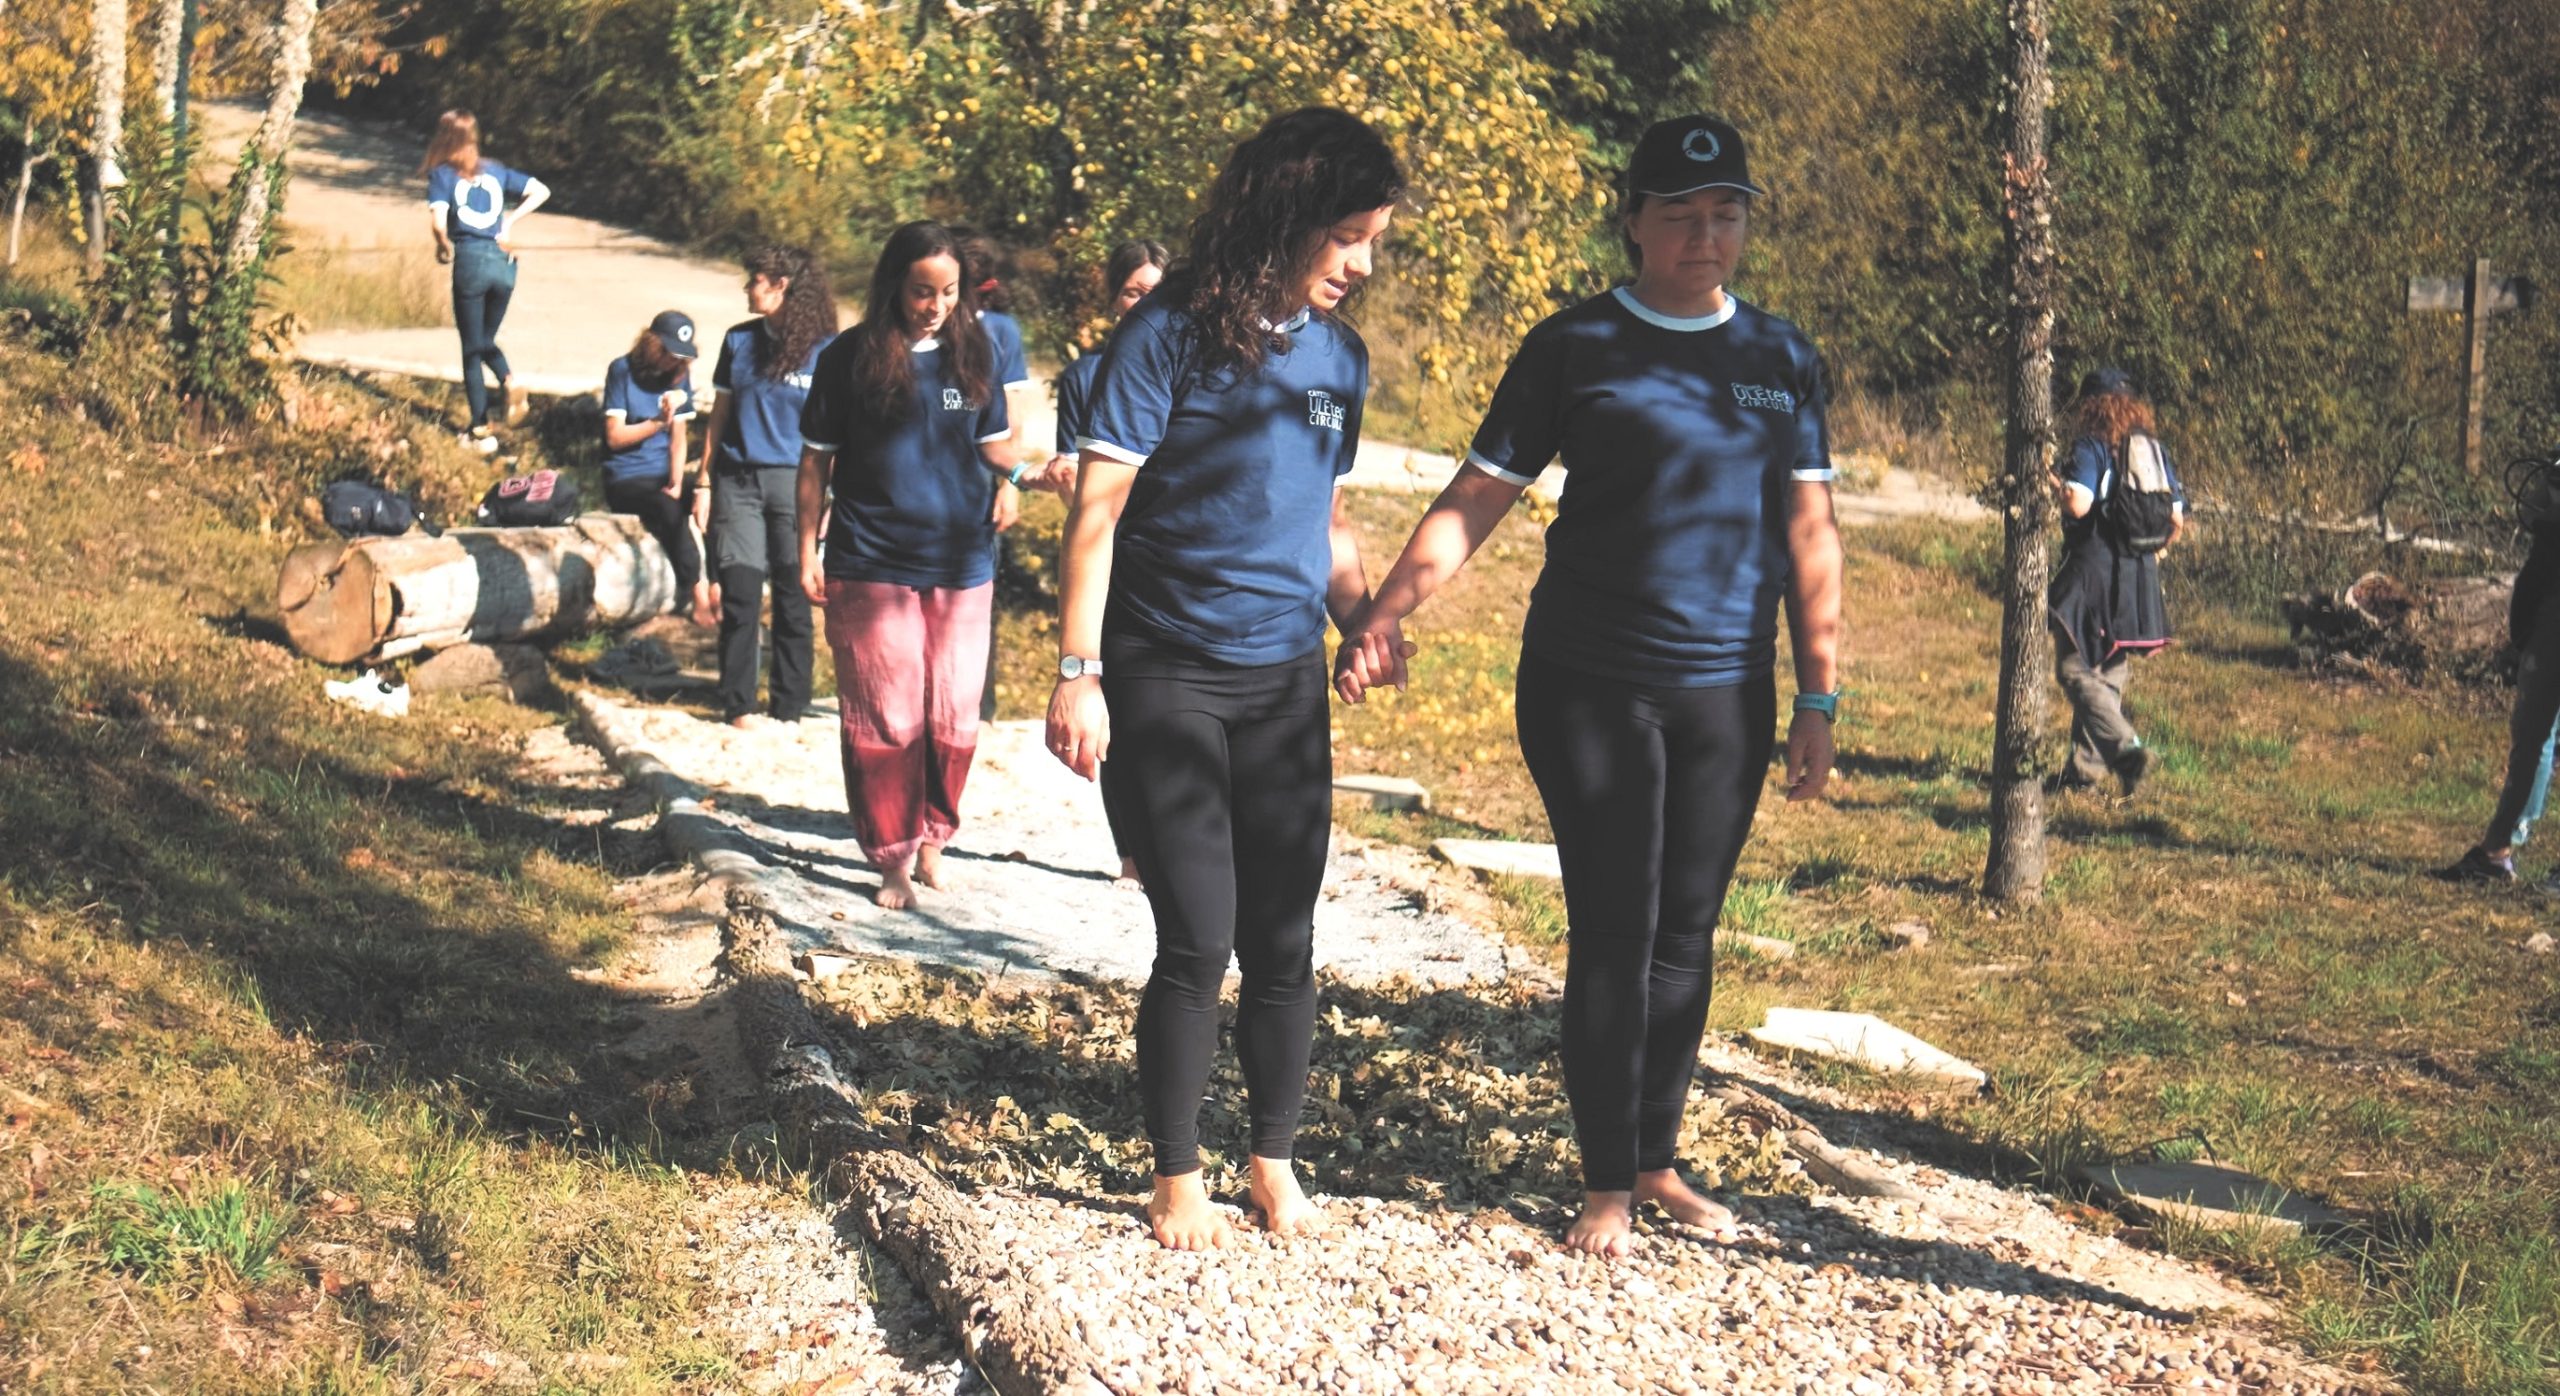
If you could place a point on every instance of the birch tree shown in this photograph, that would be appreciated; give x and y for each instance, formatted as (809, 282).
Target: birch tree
(106, 66)
(263, 160)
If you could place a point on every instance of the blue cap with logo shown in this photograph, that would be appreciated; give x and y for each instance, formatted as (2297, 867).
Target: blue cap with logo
(1686, 154)
(2106, 380)
(674, 329)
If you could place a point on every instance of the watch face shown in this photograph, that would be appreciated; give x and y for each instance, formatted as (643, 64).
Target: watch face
(1070, 667)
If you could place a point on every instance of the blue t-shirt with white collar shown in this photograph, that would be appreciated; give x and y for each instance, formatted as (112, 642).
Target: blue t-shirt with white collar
(627, 401)
(1225, 545)
(762, 430)
(1075, 400)
(474, 207)
(914, 498)
(1680, 437)
(2092, 472)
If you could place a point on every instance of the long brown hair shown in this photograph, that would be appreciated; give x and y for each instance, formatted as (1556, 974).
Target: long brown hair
(884, 372)
(653, 369)
(1262, 222)
(807, 316)
(456, 143)
(2113, 417)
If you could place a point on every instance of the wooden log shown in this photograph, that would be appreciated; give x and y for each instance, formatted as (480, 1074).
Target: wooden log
(2457, 624)
(381, 598)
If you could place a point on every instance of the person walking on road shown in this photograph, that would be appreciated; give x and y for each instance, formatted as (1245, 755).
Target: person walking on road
(467, 197)
(905, 424)
(1697, 503)
(1205, 549)
(2122, 507)
(648, 399)
(750, 479)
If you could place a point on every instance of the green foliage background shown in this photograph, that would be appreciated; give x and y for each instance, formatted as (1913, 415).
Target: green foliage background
(2246, 184)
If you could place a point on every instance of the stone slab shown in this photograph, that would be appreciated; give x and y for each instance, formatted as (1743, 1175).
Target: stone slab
(1766, 947)
(1384, 792)
(1863, 1040)
(1500, 857)
(2211, 1195)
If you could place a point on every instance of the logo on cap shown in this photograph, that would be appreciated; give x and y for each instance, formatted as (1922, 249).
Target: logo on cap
(685, 333)
(1701, 145)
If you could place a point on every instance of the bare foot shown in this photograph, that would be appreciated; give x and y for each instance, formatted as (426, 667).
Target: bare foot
(1181, 1216)
(749, 722)
(1129, 875)
(1686, 1204)
(929, 865)
(1285, 1209)
(897, 891)
(1605, 1226)
(706, 604)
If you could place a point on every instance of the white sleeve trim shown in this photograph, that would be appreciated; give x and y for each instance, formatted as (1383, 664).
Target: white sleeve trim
(824, 448)
(439, 205)
(1821, 476)
(615, 414)
(1020, 383)
(2080, 491)
(1108, 451)
(1508, 477)
(1006, 435)
(685, 416)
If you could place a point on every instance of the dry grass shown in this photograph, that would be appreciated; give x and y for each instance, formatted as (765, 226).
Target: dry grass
(361, 288)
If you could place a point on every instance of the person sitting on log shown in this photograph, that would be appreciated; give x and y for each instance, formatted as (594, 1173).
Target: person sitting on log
(648, 395)
(2533, 631)
(2122, 507)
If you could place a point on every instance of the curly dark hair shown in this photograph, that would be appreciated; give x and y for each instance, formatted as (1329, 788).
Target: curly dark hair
(785, 338)
(884, 372)
(1280, 191)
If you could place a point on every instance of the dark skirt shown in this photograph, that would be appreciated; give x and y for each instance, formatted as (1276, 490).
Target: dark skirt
(2107, 602)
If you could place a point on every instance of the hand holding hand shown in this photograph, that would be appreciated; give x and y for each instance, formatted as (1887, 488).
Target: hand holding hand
(1058, 477)
(1371, 657)
(1808, 756)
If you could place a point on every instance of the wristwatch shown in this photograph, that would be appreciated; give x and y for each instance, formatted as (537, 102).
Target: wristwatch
(1827, 704)
(1075, 667)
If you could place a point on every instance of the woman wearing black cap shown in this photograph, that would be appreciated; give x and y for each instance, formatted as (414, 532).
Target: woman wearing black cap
(1697, 499)
(2105, 602)
(648, 399)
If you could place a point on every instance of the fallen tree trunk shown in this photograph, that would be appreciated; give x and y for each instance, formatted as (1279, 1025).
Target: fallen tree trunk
(382, 598)
(2456, 625)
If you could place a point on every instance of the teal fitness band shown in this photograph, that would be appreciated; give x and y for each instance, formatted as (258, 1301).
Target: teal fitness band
(1827, 704)
(1015, 478)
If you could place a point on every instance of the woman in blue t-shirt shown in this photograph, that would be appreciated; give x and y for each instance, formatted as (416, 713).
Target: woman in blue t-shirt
(1697, 500)
(1133, 271)
(751, 470)
(2105, 603)
(905, 423)
(467, 210)
(1204, 551)
(648, 399)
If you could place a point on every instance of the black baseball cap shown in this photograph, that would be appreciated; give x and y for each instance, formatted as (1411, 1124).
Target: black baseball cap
(1686, 154)
(674, 329)
(2106, 380)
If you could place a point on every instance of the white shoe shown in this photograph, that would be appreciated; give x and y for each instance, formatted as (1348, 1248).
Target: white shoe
(369, 692)
(479, 443)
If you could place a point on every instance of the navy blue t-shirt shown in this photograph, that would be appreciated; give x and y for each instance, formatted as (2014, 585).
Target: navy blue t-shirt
(913, 497)
(1004, 335)
(626, 401)
(473, 208)
(763, 425)
(1225, 545)
(1075, 400)
(2093, 469)
(1679, 437)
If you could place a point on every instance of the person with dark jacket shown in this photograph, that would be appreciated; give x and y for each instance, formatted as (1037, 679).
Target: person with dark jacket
(2105, 603)
(2533, 631)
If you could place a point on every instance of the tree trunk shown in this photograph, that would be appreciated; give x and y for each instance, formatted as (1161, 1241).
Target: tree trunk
(2015, 871)
(168, 42)
(106, 58)
(275, 133)
(381, 598)
(27, 162)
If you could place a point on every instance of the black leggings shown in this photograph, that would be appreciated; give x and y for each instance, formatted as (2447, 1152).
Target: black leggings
(1651, 792)
(669, 520)
(1227, 778)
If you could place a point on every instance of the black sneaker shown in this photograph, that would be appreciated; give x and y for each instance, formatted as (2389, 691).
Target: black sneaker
(2068, 783)
(2479, 865)
(2130, 768)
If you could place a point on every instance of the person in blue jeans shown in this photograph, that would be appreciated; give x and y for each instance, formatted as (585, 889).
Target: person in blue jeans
(467, 197)
(2533, 629)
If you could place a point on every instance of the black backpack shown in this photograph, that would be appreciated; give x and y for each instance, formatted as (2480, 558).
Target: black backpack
(2140, 509)
(360, 508)
(538, 500)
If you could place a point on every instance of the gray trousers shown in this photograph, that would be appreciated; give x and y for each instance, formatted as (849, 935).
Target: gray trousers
(755, 538)
(2099, 731)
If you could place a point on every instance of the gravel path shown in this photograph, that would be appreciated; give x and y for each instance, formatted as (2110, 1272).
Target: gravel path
(1030, 875)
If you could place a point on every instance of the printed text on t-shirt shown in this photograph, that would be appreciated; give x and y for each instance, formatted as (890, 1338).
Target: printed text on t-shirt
(952, 401)
(1322, 410)
(1766, 399)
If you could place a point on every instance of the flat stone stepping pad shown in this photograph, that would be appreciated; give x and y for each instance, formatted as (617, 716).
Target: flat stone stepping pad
(1384, 792)
(1029, 886)
(1500, 857)
(2212, 1195)
(1863, 1040)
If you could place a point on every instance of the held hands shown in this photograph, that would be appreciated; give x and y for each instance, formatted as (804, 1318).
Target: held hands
(1372, 656)
(1808, 756)
(1058, 477)
(1080, 725)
